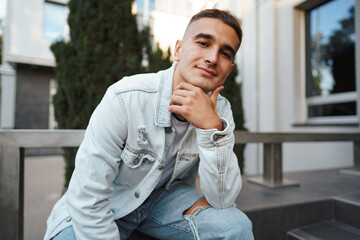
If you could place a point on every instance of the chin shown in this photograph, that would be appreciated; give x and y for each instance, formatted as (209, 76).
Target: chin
(204, 88)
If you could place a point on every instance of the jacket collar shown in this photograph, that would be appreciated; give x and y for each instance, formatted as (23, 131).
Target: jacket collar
(162, 115)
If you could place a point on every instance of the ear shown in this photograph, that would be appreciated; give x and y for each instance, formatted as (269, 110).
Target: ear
(231, 68)
(177, 50)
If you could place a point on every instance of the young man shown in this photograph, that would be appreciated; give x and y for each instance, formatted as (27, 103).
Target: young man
(149, 138)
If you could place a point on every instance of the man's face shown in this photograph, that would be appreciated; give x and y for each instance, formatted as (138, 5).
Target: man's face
(205, 54)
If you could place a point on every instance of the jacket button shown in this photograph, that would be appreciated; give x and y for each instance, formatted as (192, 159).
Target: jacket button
(137, 195)
(136, 161)
(218, 137)
(68, 219)
(161, 167)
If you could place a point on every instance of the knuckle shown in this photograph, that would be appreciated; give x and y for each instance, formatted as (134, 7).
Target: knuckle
(186, 109)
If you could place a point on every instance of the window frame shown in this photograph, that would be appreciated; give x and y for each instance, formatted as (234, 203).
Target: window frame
(354, 96)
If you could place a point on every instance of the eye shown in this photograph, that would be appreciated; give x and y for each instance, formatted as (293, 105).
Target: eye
(203, 44)
(226, 54)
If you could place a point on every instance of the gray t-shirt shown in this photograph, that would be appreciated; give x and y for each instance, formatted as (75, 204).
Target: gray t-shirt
(180, 130)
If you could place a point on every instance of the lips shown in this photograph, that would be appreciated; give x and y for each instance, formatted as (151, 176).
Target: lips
(207, 72)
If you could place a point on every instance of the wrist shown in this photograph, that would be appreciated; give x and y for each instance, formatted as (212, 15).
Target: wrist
(219, 125)
(216, 124)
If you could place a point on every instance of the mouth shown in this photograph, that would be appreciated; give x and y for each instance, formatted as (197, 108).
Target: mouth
(207, 72)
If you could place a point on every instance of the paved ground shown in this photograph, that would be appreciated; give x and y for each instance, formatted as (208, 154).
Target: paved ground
(44, 177)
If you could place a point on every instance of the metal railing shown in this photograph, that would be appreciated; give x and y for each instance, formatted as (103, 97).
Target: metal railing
(13, 143)
(272, 155)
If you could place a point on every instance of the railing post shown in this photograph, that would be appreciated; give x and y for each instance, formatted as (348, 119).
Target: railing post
(11, 190)
(273, 162)
(357, 155)
(356, 169)
(273, 175)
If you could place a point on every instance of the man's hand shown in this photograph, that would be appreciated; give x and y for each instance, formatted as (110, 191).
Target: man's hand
(192, 103)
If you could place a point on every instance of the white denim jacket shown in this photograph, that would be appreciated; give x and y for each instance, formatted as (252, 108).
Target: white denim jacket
(121, 158)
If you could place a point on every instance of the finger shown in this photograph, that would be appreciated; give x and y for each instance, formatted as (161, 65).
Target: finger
(215, 94)
(183, 93)
(177, 100)
(176, 109)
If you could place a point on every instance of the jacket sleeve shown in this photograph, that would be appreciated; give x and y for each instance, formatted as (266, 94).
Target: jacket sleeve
(219, 172)
(96, 167)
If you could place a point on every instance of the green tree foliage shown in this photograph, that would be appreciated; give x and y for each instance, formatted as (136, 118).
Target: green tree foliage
(232, 92)
(105, 45)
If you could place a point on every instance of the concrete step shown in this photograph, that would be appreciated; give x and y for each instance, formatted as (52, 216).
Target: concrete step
(327, 230)
(276, 222)
(344, 224)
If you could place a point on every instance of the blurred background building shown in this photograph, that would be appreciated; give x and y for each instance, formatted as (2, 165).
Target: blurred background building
(297, 65)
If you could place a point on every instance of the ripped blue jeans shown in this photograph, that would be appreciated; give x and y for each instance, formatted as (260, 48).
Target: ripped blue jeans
(162, 216)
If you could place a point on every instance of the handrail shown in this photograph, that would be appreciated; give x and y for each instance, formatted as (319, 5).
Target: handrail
(44, 138)
(13, 142)
(277, 137)
(272, 156)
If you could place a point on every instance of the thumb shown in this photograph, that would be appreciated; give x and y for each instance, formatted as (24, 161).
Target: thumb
(215, 94)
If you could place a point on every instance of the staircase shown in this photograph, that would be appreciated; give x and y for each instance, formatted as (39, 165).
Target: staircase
(344, 223)
(336, 218)
(328, 230)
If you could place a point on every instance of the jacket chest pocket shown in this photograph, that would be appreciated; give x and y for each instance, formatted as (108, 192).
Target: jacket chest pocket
(134, 166)
(187, 162)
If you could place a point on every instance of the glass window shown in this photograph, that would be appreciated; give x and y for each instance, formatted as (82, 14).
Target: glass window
(335, 109)
(55, 21)
(152, 5)
(330, 44)
(140, 5)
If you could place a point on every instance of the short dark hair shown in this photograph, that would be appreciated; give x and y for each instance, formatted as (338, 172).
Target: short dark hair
(222, 15)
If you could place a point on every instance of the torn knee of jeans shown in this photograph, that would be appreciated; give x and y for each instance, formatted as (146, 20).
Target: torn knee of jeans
(195, 210)
(197, 206)
(193, 225)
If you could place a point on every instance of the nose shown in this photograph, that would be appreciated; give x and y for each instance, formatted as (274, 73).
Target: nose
(211, 57)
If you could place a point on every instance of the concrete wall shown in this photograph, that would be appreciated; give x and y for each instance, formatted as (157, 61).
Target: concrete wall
(24, 40)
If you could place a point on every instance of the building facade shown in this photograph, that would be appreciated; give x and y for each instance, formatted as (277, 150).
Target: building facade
(27, 70)
(300, 68)
(298, 64)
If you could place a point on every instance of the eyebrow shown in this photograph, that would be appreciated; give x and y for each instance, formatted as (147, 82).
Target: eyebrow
(212, 38)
